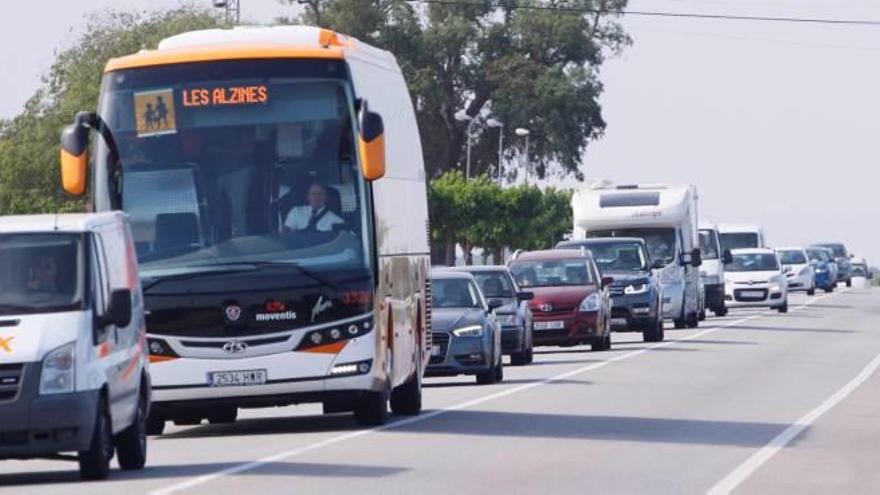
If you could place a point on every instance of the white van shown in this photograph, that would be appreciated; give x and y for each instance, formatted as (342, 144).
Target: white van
(712, 271)
(741, 236)
(73, 357)
(666, 218)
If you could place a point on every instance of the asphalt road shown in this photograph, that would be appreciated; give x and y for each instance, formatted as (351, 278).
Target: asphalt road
(756, 402)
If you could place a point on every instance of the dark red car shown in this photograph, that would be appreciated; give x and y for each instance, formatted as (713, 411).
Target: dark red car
(571, 304)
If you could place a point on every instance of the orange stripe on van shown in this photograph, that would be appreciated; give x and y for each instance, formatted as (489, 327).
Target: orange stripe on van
(215, 53)
(334, 348)
(104, 349)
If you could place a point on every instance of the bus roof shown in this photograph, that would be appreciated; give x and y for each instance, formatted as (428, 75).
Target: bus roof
(243, 43)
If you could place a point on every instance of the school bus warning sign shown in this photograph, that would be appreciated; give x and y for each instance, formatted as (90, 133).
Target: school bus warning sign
(154, 112)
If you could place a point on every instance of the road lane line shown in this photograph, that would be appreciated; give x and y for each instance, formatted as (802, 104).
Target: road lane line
(247, 466)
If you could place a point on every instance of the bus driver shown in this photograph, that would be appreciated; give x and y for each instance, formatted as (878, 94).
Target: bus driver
(314, 216)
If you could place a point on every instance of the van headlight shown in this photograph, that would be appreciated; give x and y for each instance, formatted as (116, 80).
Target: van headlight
(57, 376)
(636, 289)
(590, 303)
(471, 331)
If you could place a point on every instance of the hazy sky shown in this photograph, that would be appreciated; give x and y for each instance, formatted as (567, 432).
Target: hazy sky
(775, 123)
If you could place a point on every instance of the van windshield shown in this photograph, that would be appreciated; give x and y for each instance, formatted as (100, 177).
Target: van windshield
(739, 240)
(660, 242)
(238, 162)
(41, 273)
(817, 254)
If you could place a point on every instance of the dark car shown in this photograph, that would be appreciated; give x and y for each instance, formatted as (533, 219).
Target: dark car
(635, 291)
(571, 305)
(466, 334)
(841, 256)
(515, 316)
(821, 260)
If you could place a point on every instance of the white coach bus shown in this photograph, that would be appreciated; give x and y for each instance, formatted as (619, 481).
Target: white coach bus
(276, 189)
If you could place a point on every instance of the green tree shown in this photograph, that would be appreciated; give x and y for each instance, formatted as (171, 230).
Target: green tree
(529, 63)
(29, 171)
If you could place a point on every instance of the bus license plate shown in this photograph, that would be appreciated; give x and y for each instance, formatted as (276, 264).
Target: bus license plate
(549, 325)
(237, 378)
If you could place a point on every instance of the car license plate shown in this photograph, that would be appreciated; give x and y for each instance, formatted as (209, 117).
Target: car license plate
(237, 378)
(758, 294)
(618, 322)
(549, 325)
(436, 350)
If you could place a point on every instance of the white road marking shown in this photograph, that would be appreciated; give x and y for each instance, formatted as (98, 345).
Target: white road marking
(247, 466)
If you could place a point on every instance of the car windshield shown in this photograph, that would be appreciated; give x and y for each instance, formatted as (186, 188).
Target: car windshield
(41, 273)
(552, 273)
(660, 242)
(739, 240)
(494, 284)
(454, 293)
(817, 254)
(838, 250)
(753, 262)
(237, 162)
(624, 256)
(708, 244)
(792, 257)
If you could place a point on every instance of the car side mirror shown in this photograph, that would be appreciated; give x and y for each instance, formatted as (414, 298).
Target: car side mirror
(607, 281)
(119, 312)
(525, 296)
(371, 143)
(494, 304)
(727, 257)
(74, 157)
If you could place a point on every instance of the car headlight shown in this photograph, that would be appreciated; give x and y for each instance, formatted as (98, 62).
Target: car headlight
(471, 331)
(636, 289)
(590, 303)
(507, 320)
(822, 269)
(57, 376)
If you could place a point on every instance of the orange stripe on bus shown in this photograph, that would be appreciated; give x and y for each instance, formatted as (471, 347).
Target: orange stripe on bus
(334, 348)
(215, 53)
(161, 359)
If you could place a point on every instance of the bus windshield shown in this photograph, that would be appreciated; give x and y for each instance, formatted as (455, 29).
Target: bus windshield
(41, 273)
(238, 162)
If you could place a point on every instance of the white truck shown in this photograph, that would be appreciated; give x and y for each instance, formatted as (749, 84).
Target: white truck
(665, 216)
(74, 376)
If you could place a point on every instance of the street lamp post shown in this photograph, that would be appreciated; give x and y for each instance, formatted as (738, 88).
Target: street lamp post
(523, 132)
(500, 125)
(232, 7)
(462, 116)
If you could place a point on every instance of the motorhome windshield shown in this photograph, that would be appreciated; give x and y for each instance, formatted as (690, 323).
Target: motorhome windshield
(753, 262)
(41, 273)
(792, 257)
(709, 248)
(739, 240)
(238, 162)
(660, 242)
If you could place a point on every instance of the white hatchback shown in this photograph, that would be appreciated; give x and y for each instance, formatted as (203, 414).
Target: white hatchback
(754, 278)
(799, 273)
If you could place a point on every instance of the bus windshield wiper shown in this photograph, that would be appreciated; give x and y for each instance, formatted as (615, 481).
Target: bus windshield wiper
(150, 281)
(292, 264)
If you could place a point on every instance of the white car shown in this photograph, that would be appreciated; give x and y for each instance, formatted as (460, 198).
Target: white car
(754, 278)
(799, 273)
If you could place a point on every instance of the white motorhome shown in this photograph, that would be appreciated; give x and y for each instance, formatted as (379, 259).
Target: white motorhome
(712, 271)
(741, 236)
(276, 188)
(666, 218)
(73, 360)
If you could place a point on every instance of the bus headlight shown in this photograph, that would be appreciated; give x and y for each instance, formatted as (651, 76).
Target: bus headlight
(57, 376)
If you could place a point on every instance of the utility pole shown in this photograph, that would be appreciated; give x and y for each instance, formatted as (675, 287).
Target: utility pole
(232, 8)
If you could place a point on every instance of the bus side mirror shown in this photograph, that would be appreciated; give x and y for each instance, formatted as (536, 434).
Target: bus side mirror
(74, 158)
(371, 143)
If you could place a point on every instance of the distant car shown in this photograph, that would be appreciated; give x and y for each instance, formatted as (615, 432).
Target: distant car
(841, 256)
(635, 292)
(754, 278)
(824, 268)
(571, 304)
(860, 268)
(799, 273)
(466, 334)
(515, 316)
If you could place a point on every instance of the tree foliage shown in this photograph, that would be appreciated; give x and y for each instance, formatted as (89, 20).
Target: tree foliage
(536, 68)
(480, 213)
(29, 173)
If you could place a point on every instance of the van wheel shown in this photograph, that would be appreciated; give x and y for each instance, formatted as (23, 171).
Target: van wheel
(693, 320)
(720, 312)
(406, 399)
(131, 444)
(155, 424)
(372, 409)
(224, 415)
(702, 315)
(849, 282)
(783, 308)
(653, 333)
(94, 464)
(811, 292)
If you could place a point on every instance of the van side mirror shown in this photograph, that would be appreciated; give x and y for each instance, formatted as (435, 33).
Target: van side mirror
(727, 257)
(494, 304)
(74, 157)
(119, 313)
(696, 258)
(657, 264)
(371, 143)
(525, 296)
